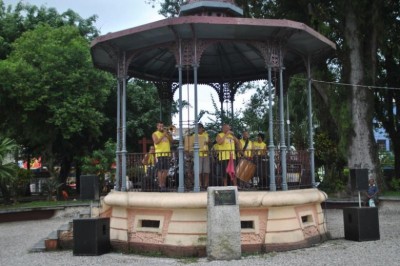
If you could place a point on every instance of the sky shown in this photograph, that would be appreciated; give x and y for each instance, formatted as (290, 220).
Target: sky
(123, 14)
(112, 15)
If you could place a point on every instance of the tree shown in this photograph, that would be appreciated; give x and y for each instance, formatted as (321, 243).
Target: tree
(8, 169)
(25, 17)
(100, 162)
(355, 28)
(52, 97)
(387, 101)
(143, 111)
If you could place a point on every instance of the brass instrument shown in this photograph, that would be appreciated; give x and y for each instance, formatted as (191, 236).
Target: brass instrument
(171, 129)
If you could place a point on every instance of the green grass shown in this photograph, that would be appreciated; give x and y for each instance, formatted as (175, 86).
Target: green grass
(390, 193)
(42, 204)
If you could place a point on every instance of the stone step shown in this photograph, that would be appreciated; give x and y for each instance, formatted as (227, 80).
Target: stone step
(84, 214)
(62, 238)
(65, 227)
(39, 246)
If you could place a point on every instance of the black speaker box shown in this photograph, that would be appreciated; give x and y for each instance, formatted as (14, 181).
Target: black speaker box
(91, 236)
(89, 187)
(359, 179)
(361, 223)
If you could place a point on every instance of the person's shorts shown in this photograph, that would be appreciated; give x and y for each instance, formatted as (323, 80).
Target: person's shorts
(204, 165)
(221, 167)
(163, 162)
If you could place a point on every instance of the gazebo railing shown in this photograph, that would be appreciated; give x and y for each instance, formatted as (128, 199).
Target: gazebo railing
(144, 177)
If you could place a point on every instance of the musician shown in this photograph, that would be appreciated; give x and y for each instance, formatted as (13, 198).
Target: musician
(204, 159)
(259, 146)
(260, 159)
(149, 160)
(162, 140)
(246, 145)
(226, 141)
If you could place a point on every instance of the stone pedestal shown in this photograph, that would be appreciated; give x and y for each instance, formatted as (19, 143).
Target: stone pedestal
(223, 224)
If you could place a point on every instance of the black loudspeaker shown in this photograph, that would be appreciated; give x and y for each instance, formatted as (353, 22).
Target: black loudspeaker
(91, 236)
(359, 179)
(89, 187)
(361, 223)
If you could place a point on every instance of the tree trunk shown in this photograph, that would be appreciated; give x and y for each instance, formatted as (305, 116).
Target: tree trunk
(362, 147)
(6, 194)
(66, 164)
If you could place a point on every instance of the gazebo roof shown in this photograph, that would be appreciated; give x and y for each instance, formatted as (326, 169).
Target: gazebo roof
(231, 57)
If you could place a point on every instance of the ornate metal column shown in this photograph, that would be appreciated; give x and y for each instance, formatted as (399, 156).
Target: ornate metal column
(282, 130)
(188, 53)
(181, 187)
(118, 160)
(273, 54)
(271, 147)
(310, 123)
(196, 147)
(121, 124)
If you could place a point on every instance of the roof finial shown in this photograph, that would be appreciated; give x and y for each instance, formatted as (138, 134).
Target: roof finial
(216, 8)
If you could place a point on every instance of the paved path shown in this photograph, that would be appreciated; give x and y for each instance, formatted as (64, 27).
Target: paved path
(16, 238)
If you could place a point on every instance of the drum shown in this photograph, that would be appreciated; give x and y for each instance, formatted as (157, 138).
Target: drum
(245, 170)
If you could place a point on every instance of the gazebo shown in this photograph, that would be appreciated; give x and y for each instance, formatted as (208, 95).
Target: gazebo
(216, 46)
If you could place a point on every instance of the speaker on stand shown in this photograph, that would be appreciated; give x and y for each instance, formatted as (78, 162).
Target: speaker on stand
(89, 187)
(359, 181)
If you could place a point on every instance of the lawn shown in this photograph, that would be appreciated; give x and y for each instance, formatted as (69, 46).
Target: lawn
(44, 204)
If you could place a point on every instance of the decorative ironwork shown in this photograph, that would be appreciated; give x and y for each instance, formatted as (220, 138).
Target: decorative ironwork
(165, 91)
(272, 52)
(183, 57)
(121, 66)
(191, 51)
(201, 46)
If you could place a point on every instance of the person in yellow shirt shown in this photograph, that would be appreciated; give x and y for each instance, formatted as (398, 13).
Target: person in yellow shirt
(149, 162)
(226, 141)
(204, 159)
(259, 146)
(162, 142)
(260, 159)
(149, 159)
(246, 146)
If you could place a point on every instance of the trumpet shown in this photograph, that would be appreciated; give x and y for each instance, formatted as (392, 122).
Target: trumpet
(171, 129)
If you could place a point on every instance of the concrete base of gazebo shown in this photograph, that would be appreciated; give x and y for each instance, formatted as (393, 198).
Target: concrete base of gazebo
(175, 224)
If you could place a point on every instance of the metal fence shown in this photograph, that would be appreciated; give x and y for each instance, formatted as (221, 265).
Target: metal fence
(251, 173)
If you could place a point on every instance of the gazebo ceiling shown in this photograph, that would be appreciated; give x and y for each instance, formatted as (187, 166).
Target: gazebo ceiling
(231, 52)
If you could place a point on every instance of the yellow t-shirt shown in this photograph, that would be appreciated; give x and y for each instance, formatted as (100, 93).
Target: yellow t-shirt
(151, 161)
(260, 148)
(203, 144)
(226, 148)
(247, 152)
(163, 148)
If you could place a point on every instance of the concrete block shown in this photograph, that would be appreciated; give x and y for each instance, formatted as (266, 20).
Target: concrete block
(223, 224)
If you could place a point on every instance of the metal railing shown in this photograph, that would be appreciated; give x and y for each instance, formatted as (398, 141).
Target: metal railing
(251, 173)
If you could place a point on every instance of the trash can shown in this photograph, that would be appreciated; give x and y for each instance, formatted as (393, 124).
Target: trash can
(361, 223)
(91, 236)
